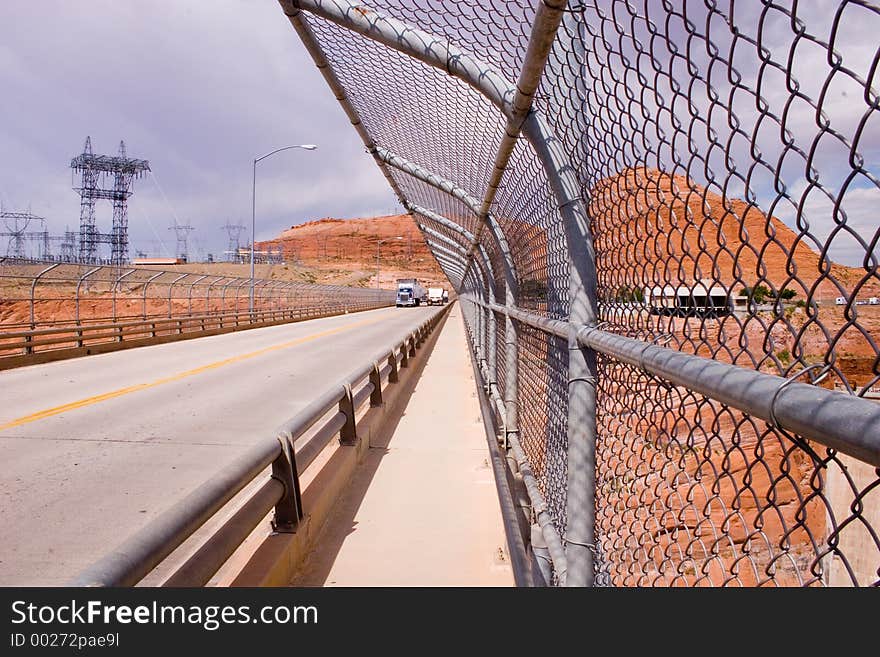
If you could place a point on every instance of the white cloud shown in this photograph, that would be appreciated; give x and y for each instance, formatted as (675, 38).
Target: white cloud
(199, 89)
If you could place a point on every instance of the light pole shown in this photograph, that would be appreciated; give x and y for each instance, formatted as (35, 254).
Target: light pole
(307, 147)
(387, 239)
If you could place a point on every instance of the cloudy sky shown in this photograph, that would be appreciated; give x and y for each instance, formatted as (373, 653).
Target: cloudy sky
(197, 88)
(200, 88)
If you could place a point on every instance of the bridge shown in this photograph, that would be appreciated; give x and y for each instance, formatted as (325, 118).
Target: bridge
(568, 164)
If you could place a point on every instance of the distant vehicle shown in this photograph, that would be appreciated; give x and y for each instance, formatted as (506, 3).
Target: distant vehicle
(410, 292)
(446, 296)
(874, 301)
(840, 301)
(435, 296)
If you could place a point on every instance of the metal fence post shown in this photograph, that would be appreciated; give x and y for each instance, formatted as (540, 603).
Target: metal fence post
(146, 286)
(78, 287)
(33, 291)
(208, 294)
(223, 294)
(190, 296)
(238, 287)
(116, 289)
(170, 291)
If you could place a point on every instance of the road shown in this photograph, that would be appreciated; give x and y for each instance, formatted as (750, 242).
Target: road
(93, 448)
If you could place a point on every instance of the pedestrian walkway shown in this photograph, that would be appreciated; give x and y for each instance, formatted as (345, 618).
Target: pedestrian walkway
(422, 509)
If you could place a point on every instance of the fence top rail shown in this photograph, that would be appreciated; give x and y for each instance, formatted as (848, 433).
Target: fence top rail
(848, 423)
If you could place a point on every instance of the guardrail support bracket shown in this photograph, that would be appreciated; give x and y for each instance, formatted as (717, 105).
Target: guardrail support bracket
(288, 510)
(376, 380)
(348, 433)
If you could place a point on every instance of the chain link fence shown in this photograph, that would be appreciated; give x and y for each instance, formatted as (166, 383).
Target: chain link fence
(662, 221)
(47, 306)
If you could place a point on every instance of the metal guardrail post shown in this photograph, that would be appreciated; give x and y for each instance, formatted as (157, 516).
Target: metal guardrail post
(376, 380)
(288, 510)
(392, 363)
(348, 432)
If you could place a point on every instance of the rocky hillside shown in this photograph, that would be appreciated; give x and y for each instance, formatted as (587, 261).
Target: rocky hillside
(654, 228)
(344, 250)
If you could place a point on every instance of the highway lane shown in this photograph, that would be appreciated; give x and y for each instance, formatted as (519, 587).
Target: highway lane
(92, 448)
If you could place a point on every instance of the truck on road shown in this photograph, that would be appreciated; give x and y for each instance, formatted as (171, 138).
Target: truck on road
(435, 296)
(410, 292)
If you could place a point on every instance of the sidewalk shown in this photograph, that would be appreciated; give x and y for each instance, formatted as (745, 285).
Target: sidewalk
(422, 509)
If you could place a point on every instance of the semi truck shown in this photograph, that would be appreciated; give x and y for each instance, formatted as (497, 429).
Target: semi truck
(410, 292)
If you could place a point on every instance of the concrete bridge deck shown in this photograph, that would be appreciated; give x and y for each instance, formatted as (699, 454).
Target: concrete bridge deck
(422, 509)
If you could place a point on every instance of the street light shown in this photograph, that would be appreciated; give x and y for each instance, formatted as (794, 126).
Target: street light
(387, 239)
(307, 147)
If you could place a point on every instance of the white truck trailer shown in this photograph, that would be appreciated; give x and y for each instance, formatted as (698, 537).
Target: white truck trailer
(435, 296)
(410, 292)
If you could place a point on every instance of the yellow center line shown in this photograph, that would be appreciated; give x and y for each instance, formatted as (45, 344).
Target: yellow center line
(88, 401)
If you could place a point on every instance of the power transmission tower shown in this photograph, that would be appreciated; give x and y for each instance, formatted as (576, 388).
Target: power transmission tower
(182, 234)
(105, 177)
(234, 233)
(68, 246)
(16, 230)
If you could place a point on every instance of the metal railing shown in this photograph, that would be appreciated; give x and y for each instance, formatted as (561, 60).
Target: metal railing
(64, 307)
(661, 222)
(272, 468)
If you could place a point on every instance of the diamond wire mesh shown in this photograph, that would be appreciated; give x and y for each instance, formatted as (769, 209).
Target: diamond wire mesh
(454, 210)
(543, 375)
(416, 111)
(528, 214)
(726, 178)
(728, 157)
(500, 352)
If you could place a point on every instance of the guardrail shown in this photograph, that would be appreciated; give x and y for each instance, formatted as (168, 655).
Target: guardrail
(19, 347)
(82, 310)
(34, 294)
(289, 454)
